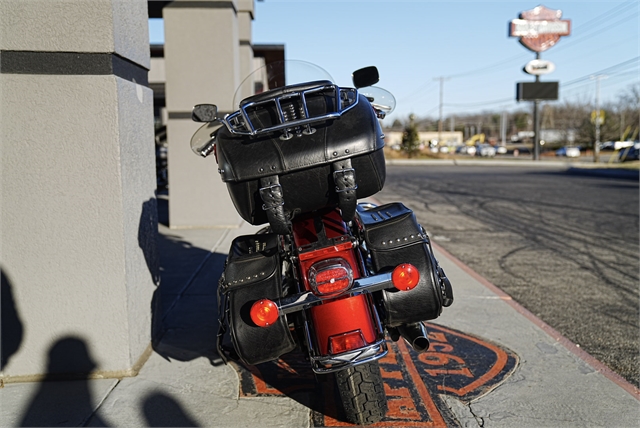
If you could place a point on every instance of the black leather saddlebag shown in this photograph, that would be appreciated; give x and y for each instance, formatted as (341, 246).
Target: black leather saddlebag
(253, 272)
(300, 171)
(393, 236)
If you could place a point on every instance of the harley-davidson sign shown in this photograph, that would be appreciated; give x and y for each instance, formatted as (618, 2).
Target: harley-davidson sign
(540, 28)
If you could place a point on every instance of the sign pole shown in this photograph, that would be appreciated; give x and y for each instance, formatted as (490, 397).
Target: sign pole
(596, 145)
(538, 29)
(536, 123)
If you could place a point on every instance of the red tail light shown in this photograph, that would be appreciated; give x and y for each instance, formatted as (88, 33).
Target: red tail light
(331, 276)
(264, 313)
(405, 277)
(346, 342)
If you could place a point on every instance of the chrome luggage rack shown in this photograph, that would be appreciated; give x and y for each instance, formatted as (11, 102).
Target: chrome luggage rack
(288, 117)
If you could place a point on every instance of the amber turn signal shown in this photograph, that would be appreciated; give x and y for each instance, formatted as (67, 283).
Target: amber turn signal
(264, 312)
(405, 277)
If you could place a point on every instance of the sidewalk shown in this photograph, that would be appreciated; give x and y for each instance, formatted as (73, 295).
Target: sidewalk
(185, 384)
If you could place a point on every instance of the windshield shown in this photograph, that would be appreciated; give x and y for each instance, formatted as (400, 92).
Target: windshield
(276, 75)
(380, 99)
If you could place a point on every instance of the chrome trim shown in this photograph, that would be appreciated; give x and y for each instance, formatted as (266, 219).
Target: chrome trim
(232, 121)
(302, 301)
(334, 363)
(414, 332)
(322, 364)
(328, 264)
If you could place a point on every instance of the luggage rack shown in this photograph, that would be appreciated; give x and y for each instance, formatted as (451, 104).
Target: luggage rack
(291, 107)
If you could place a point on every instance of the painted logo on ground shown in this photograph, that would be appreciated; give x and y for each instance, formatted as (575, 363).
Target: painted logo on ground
(457, 364)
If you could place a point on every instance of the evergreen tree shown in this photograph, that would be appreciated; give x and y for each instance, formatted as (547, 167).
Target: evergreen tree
(410, 138)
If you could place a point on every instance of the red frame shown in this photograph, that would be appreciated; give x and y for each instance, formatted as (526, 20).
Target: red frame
(341, 315)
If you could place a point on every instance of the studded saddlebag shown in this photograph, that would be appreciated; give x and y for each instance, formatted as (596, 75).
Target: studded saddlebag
(253, 271)
(272, 177)
(393, 236)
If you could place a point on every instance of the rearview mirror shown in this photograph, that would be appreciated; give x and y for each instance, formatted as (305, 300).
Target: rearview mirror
(364, 77)
(204, 113)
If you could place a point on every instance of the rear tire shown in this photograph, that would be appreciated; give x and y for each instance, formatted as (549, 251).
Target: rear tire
(362, 393)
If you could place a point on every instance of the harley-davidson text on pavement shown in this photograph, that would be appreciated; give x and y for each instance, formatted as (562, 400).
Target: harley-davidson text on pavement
(457, 364)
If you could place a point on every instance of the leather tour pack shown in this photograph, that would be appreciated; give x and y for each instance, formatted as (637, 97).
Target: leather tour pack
(271, 179)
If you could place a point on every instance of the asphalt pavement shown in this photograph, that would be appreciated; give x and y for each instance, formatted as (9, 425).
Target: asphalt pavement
(492, 364)
(562, 242)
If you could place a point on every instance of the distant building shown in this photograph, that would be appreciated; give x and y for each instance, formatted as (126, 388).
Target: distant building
(449, 138)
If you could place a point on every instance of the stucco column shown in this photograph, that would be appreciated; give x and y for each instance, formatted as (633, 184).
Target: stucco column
(78, 211)
(245, 18)
(202, 64)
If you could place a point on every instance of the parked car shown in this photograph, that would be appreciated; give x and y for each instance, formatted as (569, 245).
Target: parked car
(607, 145)
(630, 153)
(461, 150)
(619, 145)
(485, 150)
(466, 150)
(568, 151)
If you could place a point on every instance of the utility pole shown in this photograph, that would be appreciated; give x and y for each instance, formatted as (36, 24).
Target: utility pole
(597, 120)
(503, 129)
(441, 79)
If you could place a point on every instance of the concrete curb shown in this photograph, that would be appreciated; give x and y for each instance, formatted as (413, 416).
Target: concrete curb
(602, 170)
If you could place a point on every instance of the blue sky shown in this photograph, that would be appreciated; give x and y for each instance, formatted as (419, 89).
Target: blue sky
(415, 42)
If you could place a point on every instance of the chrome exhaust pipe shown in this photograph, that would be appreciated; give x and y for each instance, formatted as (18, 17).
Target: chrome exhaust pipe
(416, 336)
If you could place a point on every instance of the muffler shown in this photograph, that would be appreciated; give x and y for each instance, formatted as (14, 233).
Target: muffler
(416, 336)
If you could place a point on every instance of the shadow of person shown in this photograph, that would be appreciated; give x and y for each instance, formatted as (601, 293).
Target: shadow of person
(160, 410)
(64, 398)
(11, 329)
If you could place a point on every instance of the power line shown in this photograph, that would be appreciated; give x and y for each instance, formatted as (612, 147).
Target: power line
(604, 16)
(603, 71)
(567, 58)
(489, 67)
(597, 32)
(417, 92)
(503, 100)
(601, 18)
(592, 25)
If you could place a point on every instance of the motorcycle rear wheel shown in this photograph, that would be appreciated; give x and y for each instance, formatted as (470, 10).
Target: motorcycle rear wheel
(362, 393)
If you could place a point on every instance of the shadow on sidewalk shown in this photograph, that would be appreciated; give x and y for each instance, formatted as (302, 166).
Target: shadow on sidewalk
(69, 402)
(11, 328)
(291, 375)
(160, 410)
(185, 307)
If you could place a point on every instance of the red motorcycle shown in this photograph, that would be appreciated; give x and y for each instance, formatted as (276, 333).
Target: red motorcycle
(328, 275)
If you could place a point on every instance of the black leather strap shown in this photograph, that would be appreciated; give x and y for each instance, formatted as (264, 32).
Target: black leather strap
(271, 194)
(344, 177)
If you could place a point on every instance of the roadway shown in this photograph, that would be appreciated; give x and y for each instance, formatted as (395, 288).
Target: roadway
(563, 244)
